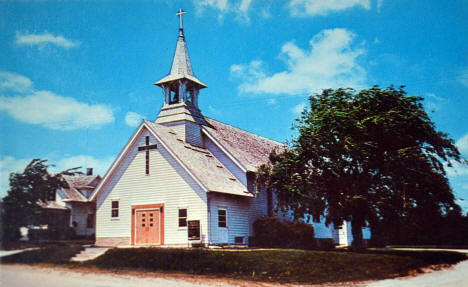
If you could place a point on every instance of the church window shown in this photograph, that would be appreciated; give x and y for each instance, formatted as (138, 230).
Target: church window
(115, 208)
(90, 221)
(182, 217)
(222, 218)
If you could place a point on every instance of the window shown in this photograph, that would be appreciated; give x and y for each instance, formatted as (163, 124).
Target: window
(222, 218)
(190, 96)
(115, 208)
(174, 96)
(183, 217)
(90, 221)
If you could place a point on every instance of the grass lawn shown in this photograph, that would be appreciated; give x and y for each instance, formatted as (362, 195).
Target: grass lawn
(275, 265)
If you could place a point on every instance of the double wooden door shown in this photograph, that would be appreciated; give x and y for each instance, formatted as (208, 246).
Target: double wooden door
(148, 226)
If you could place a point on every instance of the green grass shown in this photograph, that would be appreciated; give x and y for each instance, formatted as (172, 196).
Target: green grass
(55, 254)
(273, 265)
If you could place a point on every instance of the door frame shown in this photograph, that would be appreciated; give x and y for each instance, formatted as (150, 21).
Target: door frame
(157, 206)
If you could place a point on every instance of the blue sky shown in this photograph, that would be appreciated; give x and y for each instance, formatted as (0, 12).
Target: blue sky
(76, 77)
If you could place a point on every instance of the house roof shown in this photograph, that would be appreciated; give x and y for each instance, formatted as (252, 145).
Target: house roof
(75, 183)
(249, 149)
(181, 67)
(52, 205)
(212, 174)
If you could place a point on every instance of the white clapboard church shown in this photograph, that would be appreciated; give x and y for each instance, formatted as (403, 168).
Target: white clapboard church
(185, 179)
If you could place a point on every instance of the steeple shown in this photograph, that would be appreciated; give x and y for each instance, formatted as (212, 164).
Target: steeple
(181, 89)
(181, 85)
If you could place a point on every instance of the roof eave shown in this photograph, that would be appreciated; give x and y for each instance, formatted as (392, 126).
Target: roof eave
(170, 78)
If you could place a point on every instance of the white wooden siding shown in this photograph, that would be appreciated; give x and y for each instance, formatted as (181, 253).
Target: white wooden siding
(258, 207)
(79, 214)
(193, 134)
(188, 131)
(237, 212)
(167, 183)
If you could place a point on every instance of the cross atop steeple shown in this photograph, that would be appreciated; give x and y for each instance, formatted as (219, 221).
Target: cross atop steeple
(180, 13)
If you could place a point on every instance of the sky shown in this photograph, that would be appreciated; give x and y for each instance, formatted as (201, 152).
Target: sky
(76, 77)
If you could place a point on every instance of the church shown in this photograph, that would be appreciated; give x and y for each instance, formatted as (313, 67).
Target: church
(186, 179)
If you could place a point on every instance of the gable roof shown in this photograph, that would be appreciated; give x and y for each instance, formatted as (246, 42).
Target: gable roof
(200, 161)
(77, 182)
(249, 149)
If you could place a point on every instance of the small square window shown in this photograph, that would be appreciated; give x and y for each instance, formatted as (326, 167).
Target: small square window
(183, 217)
(115, 208)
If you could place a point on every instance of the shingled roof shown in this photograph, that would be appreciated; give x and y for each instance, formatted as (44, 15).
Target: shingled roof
(201, 162)
(77, 182)
(181, 67)
(249, 149)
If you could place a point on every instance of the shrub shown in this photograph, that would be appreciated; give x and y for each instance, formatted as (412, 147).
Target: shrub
(272, 232)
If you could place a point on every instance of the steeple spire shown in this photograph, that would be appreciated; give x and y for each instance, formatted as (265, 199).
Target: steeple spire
(181, 68)
(181, 90)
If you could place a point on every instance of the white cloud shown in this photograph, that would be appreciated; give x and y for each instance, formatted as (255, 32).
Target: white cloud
(331, 62)
(99, 165)
(462, 144)
(297, 110)
(9, 164)
(271, 101)
(379, 5)
(14, 82)
(463, 77)
(433, 102)
(303, 8)
(55, 112)
(456, 170)
(44, 39)
(213, 111)
(239, 7)
(133, 119)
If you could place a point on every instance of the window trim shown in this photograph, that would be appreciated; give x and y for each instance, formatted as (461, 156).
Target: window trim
(179, 217)
(115, 208)
(225, 218)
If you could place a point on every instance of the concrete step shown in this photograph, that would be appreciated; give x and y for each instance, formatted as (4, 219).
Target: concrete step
(89, 253)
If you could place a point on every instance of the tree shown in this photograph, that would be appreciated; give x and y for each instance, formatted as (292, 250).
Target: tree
(28, 189)
(365, 157)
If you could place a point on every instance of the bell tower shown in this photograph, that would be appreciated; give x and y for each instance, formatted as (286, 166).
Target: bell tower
(181, 90)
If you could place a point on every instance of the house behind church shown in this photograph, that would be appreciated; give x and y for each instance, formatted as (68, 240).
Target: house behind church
(72, 207)
(185, 178)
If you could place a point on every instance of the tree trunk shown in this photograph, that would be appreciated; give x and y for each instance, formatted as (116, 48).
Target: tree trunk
(356, 229)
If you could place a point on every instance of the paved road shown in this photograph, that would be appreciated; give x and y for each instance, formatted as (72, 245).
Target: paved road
(456, 276)
(24, 275)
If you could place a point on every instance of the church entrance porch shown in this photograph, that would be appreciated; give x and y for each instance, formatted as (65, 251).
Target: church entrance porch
(148, 224)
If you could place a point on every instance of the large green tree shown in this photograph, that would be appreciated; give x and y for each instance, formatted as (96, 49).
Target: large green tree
(35, 185)
(363, 157)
